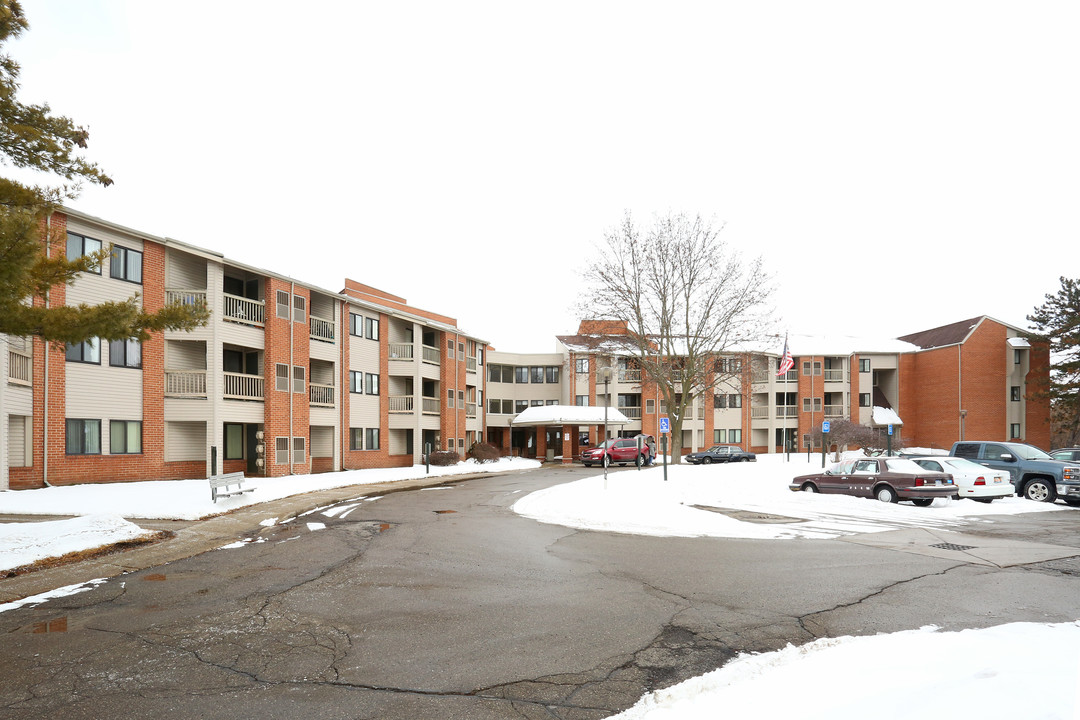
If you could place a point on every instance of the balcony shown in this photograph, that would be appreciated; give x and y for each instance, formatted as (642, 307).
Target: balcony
(835, 411)
(630, 376)
(834, 375)
(243, 310)
(787, 411)
(470, 364)
(759, 413)
(470, 409)
(321, 329)
(185, 383)
(240, 386)
(402, 404)
(19, 368)
(321, 395)
(432, 355)
(789, 376)
(430, 406)
(401, 351)
(185, 297)
(633, 413)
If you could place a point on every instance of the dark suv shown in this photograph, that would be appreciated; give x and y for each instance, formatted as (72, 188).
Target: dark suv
(617, 451)
(1036, 475)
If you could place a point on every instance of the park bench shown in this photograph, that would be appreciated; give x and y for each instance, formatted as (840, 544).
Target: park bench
(220, 484)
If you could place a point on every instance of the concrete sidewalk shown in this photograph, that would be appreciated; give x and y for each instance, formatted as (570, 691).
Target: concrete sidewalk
(194, 537)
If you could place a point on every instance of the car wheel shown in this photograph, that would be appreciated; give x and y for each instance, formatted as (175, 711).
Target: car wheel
(922, 502)
(886, 494)
(639, 461)
(1039, 491)
(809, 487)
(607, 461)
(706, 461)
(1072, 501)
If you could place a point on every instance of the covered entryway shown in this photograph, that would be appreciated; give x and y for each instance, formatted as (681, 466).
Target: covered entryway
(556, 428)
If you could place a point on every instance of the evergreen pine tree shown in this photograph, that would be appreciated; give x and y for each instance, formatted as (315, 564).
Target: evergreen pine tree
(1057, 321)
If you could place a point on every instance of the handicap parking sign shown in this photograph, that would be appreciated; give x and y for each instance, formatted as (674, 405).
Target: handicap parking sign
(665, 425)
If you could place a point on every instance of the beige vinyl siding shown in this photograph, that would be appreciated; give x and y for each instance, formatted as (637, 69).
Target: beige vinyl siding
(20, 453)
(322, 441)
(185, 441)
(397, 444)
(19, 400)
(184, 272)
(100, 391)
(364, 411)
(181, 355)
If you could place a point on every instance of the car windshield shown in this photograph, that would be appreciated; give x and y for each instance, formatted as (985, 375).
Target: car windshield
(902, 465)
(965, 465)
(1027, 452)
(607, 443)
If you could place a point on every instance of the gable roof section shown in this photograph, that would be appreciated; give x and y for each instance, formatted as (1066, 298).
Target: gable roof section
(951, 334)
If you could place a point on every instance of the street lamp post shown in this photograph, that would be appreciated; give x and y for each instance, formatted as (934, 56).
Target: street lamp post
(605, 375)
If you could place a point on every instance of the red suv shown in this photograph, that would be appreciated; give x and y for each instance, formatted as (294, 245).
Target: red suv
(616, 451)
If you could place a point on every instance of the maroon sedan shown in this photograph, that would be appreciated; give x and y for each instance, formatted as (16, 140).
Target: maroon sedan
(617, 451)
(888, 479)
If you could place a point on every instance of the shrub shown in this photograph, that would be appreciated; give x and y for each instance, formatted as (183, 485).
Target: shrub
(444, 457)
(483, 452)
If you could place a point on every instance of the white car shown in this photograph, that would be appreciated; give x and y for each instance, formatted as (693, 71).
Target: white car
(973, 480)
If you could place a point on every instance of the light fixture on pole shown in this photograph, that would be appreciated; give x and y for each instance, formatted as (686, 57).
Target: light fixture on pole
(605, 375)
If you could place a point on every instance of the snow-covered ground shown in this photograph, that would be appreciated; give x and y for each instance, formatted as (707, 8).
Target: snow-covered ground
(928, 674)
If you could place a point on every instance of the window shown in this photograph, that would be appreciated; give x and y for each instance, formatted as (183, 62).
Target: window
(125, 264)
(88, 351)
(234, 441)
(817, 367)
(371, 383)
(735, 401)
(494, 406)
(356, 324)
(536, 403)
(536, 375)
(371, 328)
(581, 365)
(281, 374)
(494, 373)
(807, 407)
(125, 353)
(734, 436)
(719, 401)
(371, 439)
(551, 402)
(521, 405)
(83, 437)
(864, 399)
(281, 451)
(864, 364)
(450, 349)
(1018, 357)
(298, 374)
(125, 437)
(356, 381)
(1014, 394)
(806, 367)
(461, 349)
(461, 398)
(80, 245)
(1014, 431)
(298, 446)
(356, 438)
(299, 308)
(449, 398)
(521, 374)
(507, 407)
(650, 407)
(552, 373)
(581, 400)
(283, 304)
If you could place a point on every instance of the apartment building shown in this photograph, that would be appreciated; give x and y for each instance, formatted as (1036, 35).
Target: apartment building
(286, 378)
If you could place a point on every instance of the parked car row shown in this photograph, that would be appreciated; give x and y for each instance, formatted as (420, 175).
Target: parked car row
(720, 454)
(889, 479)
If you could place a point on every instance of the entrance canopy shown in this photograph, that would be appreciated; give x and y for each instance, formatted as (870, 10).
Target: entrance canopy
(567, 415)
(885, 416)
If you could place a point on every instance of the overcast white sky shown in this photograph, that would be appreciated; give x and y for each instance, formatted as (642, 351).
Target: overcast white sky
(899, 166)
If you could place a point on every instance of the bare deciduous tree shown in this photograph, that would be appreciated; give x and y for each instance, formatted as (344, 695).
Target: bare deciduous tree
(687, 300)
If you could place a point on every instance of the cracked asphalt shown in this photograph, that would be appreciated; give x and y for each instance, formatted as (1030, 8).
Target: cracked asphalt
(442, 603)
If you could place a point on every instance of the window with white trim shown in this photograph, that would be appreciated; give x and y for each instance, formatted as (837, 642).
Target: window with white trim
(283, 304)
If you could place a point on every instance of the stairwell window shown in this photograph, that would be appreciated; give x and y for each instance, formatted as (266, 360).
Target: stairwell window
(126, 264)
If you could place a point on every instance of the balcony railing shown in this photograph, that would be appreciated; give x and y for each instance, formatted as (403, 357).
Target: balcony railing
(321, 329)
(789, 376)
(19, 368)
(185, 383)
(431, 355)
(470, 409)
(430, 406)
(835, 411)
(834, 375)
(634, 413)
(401, 403)
(787, 411)
(321, 394)
(250, 312)
(629, 376)
(185, 297)
(401, 351)
(239, 386)
(759, 413)
(470, 364)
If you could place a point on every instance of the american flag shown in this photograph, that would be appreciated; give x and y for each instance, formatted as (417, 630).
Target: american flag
(786, 362)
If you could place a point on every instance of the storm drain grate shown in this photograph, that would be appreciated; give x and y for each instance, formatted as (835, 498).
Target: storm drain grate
(953, 546)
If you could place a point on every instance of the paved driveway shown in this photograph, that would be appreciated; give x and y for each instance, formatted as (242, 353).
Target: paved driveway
(442, 603)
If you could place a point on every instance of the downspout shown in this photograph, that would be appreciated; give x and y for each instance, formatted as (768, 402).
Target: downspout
(342, 379)
(45, 411)
(960, 388)
(292, 373)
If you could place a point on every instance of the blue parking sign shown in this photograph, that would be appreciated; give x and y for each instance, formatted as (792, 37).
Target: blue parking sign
(665, 425)
(825, 426)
